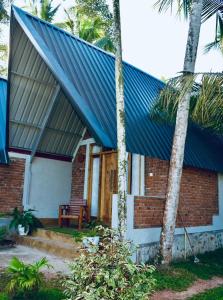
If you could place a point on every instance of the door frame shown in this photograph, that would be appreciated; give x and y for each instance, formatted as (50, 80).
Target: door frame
(102, 172)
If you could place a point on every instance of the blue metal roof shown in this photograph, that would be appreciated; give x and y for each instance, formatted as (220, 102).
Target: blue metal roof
(86, 74)
(3, 118)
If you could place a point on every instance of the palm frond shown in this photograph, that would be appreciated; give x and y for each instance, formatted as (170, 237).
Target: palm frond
(212, 46)
(182, 6)
(165, 108)
(206, 105)
(210, 8)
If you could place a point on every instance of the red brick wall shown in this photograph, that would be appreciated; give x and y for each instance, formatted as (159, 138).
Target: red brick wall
(198, 196)
(78, 171)
(11, 185)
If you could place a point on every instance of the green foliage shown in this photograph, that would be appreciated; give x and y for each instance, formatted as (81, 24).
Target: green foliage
(92, 21)
(77, 234)
(108, 272)
(3, 214)
(44, 9)
(182, 6)
(25, 278)
(173, 279)
(213, 294)
(206, 106)
(26, 219)
(4, 296)
(180, 275)
(42, 294)
(94, 8)
(3, 233)
(4, 17)
(210, 265)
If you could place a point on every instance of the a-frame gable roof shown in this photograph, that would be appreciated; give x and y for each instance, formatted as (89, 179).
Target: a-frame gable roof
(86, 75)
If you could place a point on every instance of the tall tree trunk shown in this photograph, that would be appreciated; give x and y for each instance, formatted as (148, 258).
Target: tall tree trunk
(177, 156)
(120, 111)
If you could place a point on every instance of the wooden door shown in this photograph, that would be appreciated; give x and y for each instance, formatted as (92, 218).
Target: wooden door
(109, 184)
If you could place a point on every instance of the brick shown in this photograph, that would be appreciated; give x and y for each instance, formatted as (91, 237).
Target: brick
(198, 196)
(11, 185)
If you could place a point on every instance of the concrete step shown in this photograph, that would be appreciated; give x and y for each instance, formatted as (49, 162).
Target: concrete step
(58, 248)
(55, 236)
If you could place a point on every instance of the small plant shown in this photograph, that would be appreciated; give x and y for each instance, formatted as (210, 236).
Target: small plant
(25, 278)
(108, 272)
(26, 219)
(3, 233)
(3, 214)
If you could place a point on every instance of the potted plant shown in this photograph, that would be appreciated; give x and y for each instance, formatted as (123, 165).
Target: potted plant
(24, 221)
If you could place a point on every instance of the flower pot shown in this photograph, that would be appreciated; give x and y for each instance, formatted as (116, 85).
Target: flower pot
(90, 243)
(22, 231)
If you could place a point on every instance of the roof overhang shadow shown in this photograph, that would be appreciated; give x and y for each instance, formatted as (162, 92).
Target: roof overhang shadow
(41, 117)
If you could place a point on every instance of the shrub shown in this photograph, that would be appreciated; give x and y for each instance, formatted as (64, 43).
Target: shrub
(3, 233)
(108, 272)
(26, 219)
(25, 278)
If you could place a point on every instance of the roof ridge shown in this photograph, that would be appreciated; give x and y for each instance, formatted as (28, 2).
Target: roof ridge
(83, 41)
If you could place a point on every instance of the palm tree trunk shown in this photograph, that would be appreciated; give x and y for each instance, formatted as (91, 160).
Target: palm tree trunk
(177, 156)
(120, 110)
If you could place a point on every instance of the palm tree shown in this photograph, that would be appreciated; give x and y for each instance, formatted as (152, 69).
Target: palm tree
(3, 59)
(120, 109)
(4, 20)
(91, 21)
(44, 9)
(210, 8)
(4, 17)
(206, 106)
(196, 9)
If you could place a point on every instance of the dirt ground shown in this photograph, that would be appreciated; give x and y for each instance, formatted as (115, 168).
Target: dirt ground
(30, 255)
(198, 287)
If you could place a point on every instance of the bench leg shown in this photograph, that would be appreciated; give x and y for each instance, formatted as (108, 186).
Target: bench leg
(80, 219)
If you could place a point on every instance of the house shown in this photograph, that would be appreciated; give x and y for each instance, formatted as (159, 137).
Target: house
(61, 129)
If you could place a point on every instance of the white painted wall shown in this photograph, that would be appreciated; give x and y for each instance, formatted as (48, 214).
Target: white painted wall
(50, 186)
(138, 175)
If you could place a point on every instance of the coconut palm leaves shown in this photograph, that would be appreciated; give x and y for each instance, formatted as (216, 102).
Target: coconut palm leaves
(4, 17)
(92, 21)
(44, 9)
(206, 104)
(3, 59)
(26, 277)
(183, 6)
(210, 8)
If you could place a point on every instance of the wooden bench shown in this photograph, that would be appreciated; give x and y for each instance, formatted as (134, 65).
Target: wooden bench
(76, 210)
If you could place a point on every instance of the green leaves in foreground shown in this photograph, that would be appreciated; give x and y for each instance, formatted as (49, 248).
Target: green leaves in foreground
(25, 277)
(206, 105)
(108, 273)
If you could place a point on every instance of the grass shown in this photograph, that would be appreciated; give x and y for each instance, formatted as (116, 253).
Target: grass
(213, 294)
(77, 234)
(179, 276)
(43, 294)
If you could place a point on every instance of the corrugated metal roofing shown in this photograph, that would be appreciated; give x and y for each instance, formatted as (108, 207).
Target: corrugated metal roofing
(87, 77)
(32, 89)
(3, 118)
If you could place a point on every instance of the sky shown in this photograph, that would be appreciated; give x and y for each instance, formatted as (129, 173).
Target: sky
(156, 42)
